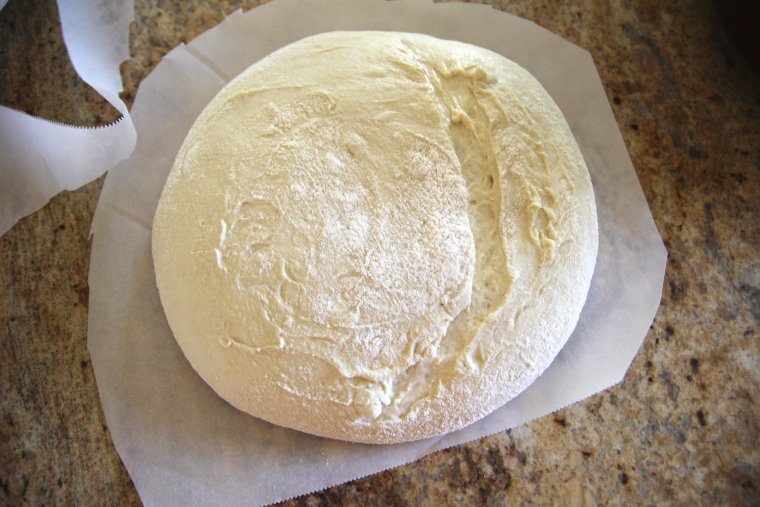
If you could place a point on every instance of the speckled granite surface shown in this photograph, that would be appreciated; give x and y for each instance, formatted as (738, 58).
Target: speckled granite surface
(681, 428)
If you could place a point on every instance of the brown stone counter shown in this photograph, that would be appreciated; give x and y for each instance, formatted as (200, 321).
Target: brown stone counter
(681, 428)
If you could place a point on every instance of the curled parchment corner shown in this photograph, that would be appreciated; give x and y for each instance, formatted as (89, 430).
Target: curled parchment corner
(41, 157)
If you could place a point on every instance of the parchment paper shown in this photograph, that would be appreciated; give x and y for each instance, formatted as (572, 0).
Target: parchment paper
(183, 444)
(39, 158)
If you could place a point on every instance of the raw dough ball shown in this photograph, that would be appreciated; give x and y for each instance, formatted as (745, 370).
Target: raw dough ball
(375, 237)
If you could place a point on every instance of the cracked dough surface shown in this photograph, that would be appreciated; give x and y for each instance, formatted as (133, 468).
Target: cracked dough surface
(376, 237)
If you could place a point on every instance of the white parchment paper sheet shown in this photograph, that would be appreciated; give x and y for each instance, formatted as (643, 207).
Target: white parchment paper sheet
(180, 442)
(39, 158)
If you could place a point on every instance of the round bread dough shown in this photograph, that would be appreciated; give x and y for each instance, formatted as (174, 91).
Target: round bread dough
(376, 237)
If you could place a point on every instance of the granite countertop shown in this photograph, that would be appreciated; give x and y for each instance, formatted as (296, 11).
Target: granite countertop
(683, 425)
